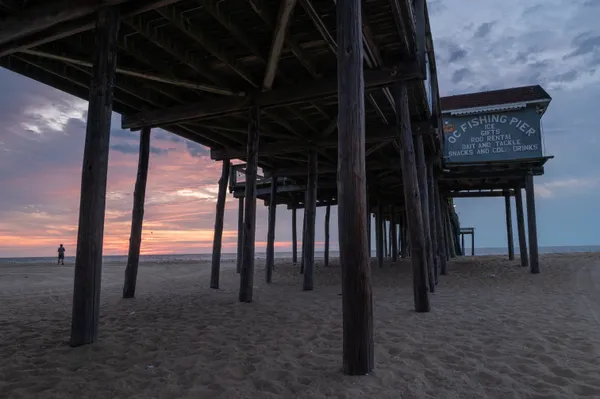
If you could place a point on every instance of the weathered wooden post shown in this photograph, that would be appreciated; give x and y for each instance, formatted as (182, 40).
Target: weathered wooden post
(271, 230)
(403, 235)
(424, 195)
(240, 237)
(137, 217)
(302, 259)
(294, 237)
(379, 233)
(368, 223)
(394, 234)
(442, 251)
(385, 237)
(218, 237)
(534, 262)
(247, 272)
(473, 243)
(521, 228)
(310, 209)
(509, 229)
(433, 220)
(327, 216)
(412, 198)
(88, 261)
(462, 243)
(358, 358)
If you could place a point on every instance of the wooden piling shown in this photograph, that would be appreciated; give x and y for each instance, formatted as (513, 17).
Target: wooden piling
(310, 209)
(327, 215)
(358, 351)
(88, 261)
(302, 257)
(534, 262)
(509, 228)
(394, 238)
(384, 232)
(249, 232)
(240, 237)
(442, 251)
(424, 195)
(137, 216)
(433, 221)
(379, 234)
(521, 228)
(270, 262)
(294, 237)
(412, 198)
(368, 225)
(220, 214)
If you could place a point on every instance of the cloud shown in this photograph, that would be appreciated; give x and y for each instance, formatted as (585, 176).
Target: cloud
(566, 187)
(129, 148)
(484, 30)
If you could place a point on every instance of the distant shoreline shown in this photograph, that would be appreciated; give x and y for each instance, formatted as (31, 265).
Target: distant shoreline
(230, 256)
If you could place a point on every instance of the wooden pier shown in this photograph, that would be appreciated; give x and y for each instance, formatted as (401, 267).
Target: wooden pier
(336, 101)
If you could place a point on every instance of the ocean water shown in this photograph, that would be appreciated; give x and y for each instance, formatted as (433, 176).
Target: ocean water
(281, 255)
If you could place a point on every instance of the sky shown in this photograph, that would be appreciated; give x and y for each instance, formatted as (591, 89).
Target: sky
(479, 46)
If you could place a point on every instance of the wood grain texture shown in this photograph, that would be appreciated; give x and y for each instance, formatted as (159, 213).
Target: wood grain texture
(357, 302)
(88, 262)
(137, 216)
(327, 217)
(424, 197)
(240, 238)
(294, 236)
(412, 199)
(218, 232)
(310, 210)
(534, 261)
(509, 228)
(521, 228)
(247, 272)
(270, 261)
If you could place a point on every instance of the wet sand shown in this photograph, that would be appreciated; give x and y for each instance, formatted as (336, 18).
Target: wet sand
(495, 331)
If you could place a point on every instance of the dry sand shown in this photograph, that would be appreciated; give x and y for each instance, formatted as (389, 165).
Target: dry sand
(495, 331)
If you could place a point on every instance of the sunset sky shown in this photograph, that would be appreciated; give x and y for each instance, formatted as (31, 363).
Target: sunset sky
(481, 46)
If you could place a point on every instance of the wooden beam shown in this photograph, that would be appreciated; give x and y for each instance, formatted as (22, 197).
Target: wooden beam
(136, 74)
(270, 261)
(419, 13)
(521, 228)
(285, 15)
(424, 197)
(308, 246)
(327, 216)
(479, 194)
(88, 261)
(193, 32)
(294, 235)
(137, 217)
(304, 227)
(275, 98)
(218, 233)
(240, 236)
(412, 198)
(265, 14)
(394, 236)
(357, 301)
(59, 23)
(534, 261)
(376, 134)
(247, 272)
(509, 228)
(379, 234)
(431, 200)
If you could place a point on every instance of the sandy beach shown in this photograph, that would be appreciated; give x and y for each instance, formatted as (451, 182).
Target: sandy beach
(495, 331)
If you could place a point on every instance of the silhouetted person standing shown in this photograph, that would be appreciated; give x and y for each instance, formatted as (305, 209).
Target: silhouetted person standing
(61, 255)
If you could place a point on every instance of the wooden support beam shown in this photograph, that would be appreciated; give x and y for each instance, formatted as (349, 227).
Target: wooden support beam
(379, 234)
(285, 15)
(424, 196)
(509, 228)
(412, 197)
(192, 30)
(480, 194)
(357, 301)
(310, 210)
(247, 272)
(275, 98)
(294, 236)
(240, 237)
(88, 261)
(267, 16)
(394, 237)
(521, 228)
(270, 262)
(377, 134)
(419, 9)
(136, 74)
(386, 254)
(137, 217)
(327, 216)
(441, 233)
(218, 234)
(304, 227)
(431, 199)
(368, 215)
(534, 261)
